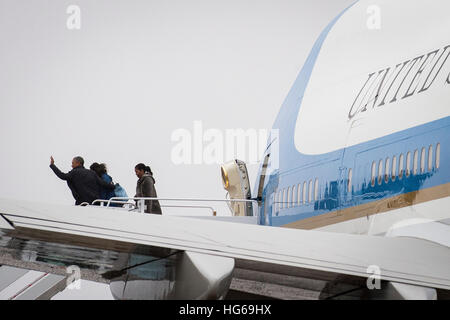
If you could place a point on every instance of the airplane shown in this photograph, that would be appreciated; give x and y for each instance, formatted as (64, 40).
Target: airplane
(352, 189)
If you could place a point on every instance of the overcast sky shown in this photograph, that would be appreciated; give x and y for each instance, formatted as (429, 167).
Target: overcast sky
(115, 90)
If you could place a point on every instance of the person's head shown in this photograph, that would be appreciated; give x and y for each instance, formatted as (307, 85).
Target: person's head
(94, 167)
(77, 162)
(102, 169)
(99, 169)
(142, 169)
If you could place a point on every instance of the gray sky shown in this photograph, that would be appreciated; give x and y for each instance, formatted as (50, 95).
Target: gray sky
(115, 90)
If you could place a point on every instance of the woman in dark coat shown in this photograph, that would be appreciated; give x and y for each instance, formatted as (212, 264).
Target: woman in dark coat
(146, 188)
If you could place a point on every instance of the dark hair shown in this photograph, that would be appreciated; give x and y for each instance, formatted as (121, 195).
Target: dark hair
(80, 160)
(94, 166)
(143, 167)
(102, 168)
(99, 169)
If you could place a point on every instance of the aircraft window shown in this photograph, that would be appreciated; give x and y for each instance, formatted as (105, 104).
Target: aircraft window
(294, 201)
(400, 167)
(422, 161)
(299, 194)
(394, 167)
(280, 200)
(310, 191)
(408, 163)
(386, 170)
(349, 182)
(288, 197)
(380, 171)
(373, 173)
(292, 196)
(316, 189)
(416, 158)
(430, 158)
(304, 192)
(275, 201)
(438, 155)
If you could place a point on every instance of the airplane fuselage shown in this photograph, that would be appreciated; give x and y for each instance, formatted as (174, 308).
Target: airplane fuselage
(365, 128)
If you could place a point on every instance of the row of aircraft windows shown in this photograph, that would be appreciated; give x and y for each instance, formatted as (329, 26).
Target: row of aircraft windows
(387, 169)
(308, 191)
(297, 195)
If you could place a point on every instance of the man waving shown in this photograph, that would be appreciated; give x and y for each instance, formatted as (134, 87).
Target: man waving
(84, 184)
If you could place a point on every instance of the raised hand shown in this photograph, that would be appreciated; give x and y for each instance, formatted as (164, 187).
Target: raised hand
(52, 161)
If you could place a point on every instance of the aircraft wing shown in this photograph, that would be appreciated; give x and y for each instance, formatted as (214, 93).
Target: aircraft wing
(82, 232)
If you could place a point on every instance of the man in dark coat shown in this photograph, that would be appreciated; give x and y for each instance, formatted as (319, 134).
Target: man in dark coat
(85, 184)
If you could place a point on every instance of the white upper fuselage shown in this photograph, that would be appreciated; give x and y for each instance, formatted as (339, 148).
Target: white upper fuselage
(412, 41)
